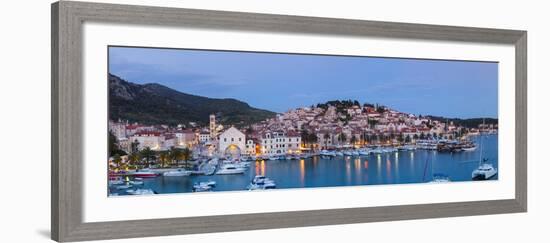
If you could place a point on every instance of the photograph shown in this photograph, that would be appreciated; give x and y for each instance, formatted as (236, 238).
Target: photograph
(205, 121)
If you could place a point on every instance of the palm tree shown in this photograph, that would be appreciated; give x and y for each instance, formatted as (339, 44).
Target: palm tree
(133, 158)
(312, 138)
(175, 154)
(305, 137)
(147, 154)
(117, 160)
(163, 158)
(342, 137)
(186, 154)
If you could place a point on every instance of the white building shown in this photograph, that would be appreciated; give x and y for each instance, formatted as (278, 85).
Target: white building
(278, 143)
(204, 137)
(153, 140)
(250, 147)
(232, 141)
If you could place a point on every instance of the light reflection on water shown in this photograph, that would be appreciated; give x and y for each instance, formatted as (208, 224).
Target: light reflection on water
(344, 171)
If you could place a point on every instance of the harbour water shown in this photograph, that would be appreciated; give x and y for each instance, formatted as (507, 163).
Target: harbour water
(417, 166)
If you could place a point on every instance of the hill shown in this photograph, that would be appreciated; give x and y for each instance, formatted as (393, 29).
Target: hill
(158, 104)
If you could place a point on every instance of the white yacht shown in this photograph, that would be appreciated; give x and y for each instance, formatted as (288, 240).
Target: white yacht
(261, 182)
(136, 183)
(440, 178)
(141, 192)
(470, 147)
(328, 153)
(485, 171)
(364, 152)
(204, 184)
(229, 169)
(260, 179)
(179, 172)
(339, 153)
(201, 188)
(378, 150)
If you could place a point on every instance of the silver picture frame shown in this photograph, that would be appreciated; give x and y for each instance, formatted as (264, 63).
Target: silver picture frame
(67, 119)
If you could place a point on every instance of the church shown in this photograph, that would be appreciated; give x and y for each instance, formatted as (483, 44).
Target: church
(232, 142)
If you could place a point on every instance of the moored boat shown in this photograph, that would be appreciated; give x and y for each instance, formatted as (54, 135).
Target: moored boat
(177, 173)
(145, 173)
(484, 171)
(229, 169)
(141, 192)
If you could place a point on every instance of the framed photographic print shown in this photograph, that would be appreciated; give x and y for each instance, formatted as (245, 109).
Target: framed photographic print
(225, 121)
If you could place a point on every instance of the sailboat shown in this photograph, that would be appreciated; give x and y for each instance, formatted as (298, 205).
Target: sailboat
(437, 177)
(484, 171)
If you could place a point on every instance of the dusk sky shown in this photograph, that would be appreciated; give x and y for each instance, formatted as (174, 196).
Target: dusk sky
(279, 82)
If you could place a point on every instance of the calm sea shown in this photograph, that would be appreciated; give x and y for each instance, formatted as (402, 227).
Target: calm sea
(391, 168)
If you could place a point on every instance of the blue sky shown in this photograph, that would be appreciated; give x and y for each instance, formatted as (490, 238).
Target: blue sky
(279, 82)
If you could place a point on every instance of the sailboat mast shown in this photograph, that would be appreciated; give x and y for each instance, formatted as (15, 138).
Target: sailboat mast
(481, 143)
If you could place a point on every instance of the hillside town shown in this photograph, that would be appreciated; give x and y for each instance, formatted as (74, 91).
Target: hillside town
(331, 126)
(337, 129)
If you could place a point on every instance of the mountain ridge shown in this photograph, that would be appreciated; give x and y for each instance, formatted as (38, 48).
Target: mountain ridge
(154, 103)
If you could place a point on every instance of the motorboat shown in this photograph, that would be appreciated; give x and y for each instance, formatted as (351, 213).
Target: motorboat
(123, 187)
(484, 171)
(261, 182)
(209, 183)
(440, 178)
(117, 181)
(140, 192)
(136, 183)
(327, 153)
(378, 151)
(243, 164)
(145, 173)
(229, 169)
(201, 188)
(354, 153)
(348, 153)
(260, 179)
(273, 158)
(177, 173)
(390, 150)
(364, 152)
(469, 147)
(339, 153)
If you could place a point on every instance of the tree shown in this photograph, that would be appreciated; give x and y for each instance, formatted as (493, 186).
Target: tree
(372, 122)
(353, 139)
(114, 148)
(400, 138)
(305, 137)
(148, 155)
(312, 138)
(186, 155)
(415, 136)
(342, 137)
(175, 154)
(326, 137)
(133, 158)
(117, 160)
(408, 138)
(163, 158)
